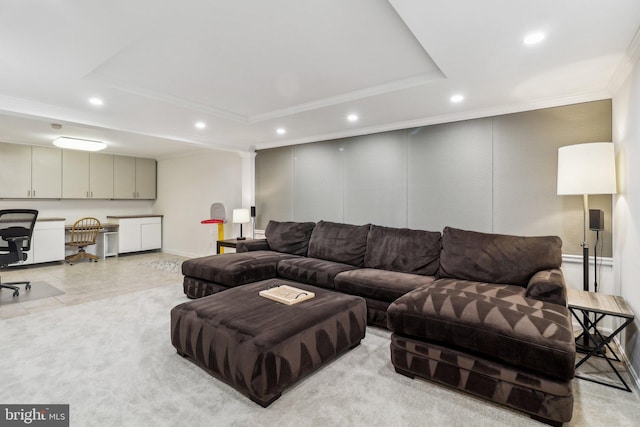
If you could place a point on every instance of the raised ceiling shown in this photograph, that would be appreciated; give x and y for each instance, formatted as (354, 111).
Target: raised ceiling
(245, 68)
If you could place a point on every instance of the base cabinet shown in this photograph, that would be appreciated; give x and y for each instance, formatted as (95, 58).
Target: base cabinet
(47, 243)
(138, 233)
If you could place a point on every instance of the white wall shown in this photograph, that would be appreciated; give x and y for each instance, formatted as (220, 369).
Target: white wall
(187, 186)
(626, 234)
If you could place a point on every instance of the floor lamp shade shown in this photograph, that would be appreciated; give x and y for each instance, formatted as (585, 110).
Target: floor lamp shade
(587, 169)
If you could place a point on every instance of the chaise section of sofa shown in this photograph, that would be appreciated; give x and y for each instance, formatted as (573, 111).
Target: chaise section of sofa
(494, 323)
(208, 275)
(254, 260)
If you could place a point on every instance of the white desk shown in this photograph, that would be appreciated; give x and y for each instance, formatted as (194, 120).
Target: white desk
(106, 243)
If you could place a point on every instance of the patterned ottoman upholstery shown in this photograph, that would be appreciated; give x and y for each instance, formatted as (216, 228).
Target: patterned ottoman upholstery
(489, 340)
(259, 346)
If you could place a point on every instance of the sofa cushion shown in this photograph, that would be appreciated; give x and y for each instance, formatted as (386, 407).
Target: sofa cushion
(496, 258)
(342, 243)
(404, 250)
(380, 285)
(312, 271)
(234, 269)
(493, 321)
(289, 237)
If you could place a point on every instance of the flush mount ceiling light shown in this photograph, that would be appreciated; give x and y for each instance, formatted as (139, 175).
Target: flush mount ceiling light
(201, 125)
(281, 131)
(457, 98)
(79, 144)
(96, 101)
(533, 38)
(352, 118)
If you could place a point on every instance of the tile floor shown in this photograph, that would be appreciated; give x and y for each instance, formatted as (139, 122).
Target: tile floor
(87, 281)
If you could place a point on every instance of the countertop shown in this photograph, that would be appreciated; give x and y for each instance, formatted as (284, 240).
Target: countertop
(134, 216)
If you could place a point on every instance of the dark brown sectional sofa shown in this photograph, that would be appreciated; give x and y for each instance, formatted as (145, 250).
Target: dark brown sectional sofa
(483, 313)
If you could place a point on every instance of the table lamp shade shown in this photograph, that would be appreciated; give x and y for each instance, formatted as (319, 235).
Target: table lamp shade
(587, 169)
(241, 216)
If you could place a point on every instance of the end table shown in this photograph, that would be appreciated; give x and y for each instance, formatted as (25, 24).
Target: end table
(229, 243)
(582, 304)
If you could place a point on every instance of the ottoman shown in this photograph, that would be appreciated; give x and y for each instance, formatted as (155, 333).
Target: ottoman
(259, 346)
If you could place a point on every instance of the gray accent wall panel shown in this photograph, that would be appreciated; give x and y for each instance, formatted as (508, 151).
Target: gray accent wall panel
(525, 171)
(318, 183)
(375, 179)
(495, 174)
(274, 186)
(450, 176)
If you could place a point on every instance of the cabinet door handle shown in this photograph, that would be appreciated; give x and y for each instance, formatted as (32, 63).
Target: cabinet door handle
(87, 194)
(92, 194)
(34, 193)
(28, 193)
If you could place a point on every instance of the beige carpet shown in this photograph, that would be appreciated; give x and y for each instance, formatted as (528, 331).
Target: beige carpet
(113, 362)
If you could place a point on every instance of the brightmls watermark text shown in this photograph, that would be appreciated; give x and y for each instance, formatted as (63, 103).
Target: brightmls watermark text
(34, 415)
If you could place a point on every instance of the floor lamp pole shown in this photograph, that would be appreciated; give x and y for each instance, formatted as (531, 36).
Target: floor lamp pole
(585, 266)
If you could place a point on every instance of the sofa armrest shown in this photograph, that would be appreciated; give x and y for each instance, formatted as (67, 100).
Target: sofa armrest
(253, 245)
(549, 286)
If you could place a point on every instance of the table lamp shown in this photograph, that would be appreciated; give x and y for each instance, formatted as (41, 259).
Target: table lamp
(241, 216)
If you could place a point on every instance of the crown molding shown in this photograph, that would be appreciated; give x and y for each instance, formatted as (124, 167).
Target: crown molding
(396, 85)
(168, 99)
(628, 61)
(351, 96)
(447, 118)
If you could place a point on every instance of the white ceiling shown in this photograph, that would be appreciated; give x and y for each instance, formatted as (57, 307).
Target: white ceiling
(248, 67)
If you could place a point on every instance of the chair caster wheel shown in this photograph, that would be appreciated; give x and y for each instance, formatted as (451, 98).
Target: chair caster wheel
(16, 293)
(28, 286)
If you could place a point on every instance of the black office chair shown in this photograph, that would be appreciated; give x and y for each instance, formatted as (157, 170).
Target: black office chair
(16, 229)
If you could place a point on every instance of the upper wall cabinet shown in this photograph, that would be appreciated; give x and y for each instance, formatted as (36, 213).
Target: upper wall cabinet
(134, 178)
(87, 175)
(15, 171)
(30, 172)
(100, 176)
(34, 172)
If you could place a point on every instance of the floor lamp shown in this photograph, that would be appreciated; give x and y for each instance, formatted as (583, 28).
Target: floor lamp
(585, 169)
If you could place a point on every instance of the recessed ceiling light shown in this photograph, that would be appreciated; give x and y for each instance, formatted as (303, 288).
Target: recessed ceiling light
(96, 101)
(457, 98)
(201, 125)
(533, 38)
(281, 131)
(79, 144)
(352, 117)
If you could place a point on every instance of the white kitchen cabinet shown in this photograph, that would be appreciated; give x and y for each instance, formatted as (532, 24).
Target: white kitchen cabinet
(100, 176)
(138, 233)
(87, 175)
(75, 174)
(28, 172)
(134, 178)
(46, 173)
(15, 171)
(145, 179)
(47, 242)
